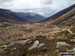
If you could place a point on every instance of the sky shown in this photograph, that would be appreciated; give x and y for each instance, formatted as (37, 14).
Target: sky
(42, 7)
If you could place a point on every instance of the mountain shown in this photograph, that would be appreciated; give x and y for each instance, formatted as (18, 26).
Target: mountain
(60, 13)
(4, 13)
(30, 17)
(19, 16)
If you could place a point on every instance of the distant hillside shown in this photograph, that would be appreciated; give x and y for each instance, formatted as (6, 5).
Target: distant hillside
(60, 13)
(30, 17)
(4, 13)
(21, 17)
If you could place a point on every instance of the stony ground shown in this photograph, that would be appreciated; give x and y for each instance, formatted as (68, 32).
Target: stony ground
(50, 39)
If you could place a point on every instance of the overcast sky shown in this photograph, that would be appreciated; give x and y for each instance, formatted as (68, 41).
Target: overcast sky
(43, 7)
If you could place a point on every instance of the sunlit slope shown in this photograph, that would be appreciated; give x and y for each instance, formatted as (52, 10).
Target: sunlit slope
(66, 19)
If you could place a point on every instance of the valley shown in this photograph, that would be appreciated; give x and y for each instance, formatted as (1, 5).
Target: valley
(38, 39)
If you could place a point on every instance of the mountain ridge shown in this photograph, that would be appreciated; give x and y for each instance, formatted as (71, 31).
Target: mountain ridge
(8, 14)
(65, 19)
(60, 13)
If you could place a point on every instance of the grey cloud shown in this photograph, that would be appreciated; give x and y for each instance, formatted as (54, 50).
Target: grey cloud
(48, 2)
(2, 2)
(5, 1)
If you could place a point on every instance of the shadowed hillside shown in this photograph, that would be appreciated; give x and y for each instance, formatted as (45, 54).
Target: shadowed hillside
(30, 17)
(19, 16)
(4, 13)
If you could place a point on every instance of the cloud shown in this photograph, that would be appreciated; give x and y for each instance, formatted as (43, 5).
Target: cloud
(21, 4)
(43, 7)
